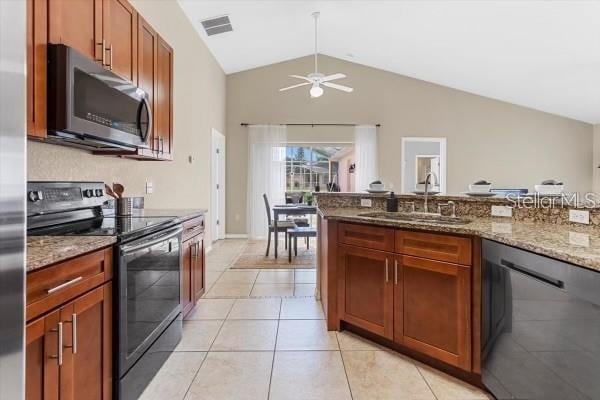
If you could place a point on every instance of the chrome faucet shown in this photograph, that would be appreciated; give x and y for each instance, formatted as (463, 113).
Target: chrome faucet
(427, 183)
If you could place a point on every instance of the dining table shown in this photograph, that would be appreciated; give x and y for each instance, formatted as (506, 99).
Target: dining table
(289, 209)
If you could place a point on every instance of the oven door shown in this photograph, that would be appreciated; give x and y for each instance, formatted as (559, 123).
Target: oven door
(90, 103)
(149, 284)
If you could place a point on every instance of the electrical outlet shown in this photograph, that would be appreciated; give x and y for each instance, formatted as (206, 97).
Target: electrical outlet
(501, 211)
(149, 187)
(366, 203)
(579, 216)
(579, 239)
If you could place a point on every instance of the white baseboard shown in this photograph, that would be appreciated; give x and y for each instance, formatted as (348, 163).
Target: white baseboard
(236, 236)
(208, 249)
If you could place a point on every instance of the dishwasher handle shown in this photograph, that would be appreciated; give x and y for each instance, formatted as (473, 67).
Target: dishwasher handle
(533, 274)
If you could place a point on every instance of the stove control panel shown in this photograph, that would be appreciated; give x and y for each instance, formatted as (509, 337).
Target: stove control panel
(44, 197)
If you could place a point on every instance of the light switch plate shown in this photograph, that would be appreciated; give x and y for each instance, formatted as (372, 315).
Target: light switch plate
(366, 203)
(501, 211)
(579, 239)
(149, 187)
(579, 216)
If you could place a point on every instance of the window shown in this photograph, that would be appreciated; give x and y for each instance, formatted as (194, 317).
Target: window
(310, 166)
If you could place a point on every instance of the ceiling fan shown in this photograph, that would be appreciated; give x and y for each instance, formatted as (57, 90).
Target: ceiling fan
(317, 79)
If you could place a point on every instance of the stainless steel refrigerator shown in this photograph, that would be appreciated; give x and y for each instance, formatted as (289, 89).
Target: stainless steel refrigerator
(12, 198)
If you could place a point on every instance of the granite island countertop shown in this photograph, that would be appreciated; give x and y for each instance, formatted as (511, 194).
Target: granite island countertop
(46, 250)
(573, 244)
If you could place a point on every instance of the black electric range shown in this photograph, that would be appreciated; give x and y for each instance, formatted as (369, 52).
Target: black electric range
(147, 278)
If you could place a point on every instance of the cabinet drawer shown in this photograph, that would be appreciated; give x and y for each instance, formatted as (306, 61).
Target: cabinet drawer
(193, 227)
(372, 237)
(434, 246)
(52, 286)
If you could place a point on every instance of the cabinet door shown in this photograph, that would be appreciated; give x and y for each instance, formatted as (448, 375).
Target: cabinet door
(146, 76)
(37, 39)
(77, 24)
(187, 292)
(198, 271)
(436, 313)
(163, 116)
(87, 337)
(120, 34)
(365, 289)
(41, 362)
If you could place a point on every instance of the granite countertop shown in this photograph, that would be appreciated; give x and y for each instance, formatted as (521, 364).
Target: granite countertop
(46, 250)
(576, 245)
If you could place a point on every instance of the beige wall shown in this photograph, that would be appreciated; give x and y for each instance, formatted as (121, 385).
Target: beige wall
(198, 106)
(596, 162)
(487, 139)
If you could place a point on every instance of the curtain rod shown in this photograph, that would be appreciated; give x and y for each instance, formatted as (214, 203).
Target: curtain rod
(311, 125)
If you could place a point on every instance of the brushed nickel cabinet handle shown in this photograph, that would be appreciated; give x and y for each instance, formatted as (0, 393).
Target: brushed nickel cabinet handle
(395, 272)
(63, 285)
(110, 62)
(59, 356)
(73, 323)
(386, 270)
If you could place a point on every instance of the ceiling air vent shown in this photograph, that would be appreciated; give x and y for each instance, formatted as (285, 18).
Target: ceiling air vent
(216, 25)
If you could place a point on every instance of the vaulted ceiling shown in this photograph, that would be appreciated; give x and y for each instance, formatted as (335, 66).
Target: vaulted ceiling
(539, 54)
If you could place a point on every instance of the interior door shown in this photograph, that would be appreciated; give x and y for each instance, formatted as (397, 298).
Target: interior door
(218, 184)
(120, 34)
(436, 313)
(77, 24)
(366, 289)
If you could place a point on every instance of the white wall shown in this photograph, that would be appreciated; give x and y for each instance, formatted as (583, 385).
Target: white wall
(596, 162)
(486, 139)
(198, 106)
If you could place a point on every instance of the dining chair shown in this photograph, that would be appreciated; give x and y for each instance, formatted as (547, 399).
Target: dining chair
(282, 226)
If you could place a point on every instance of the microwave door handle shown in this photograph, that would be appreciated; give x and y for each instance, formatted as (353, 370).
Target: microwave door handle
(145, 103)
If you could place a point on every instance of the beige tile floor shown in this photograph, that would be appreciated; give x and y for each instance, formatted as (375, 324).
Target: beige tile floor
(260, 334)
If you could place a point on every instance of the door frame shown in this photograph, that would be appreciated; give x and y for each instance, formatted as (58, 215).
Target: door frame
(217, 160)
(442, 141)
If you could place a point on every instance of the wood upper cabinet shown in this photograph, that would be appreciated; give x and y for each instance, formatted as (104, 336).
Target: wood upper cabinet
(81, 368)
(120, 35)
(365, 289)
(435, 318)
(37, 38)
(163, 111)
(77, 24)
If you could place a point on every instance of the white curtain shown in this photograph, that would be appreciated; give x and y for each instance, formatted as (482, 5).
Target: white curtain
(266, 174)
(365, 154)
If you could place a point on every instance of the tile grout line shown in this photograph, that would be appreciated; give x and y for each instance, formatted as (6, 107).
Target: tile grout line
(274, 349)
(344, 365)
(425, 379)
(195, 375)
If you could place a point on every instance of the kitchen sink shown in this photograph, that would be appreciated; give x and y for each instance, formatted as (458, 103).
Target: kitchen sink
(416, 217)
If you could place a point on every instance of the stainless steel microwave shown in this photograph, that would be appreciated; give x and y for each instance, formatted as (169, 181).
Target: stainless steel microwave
(90, 107)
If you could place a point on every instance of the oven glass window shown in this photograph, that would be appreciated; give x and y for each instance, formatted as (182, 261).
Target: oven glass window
(153, 284)
(106, 102)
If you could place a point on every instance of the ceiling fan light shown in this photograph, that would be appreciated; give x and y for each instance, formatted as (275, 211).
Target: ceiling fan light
(316, 91)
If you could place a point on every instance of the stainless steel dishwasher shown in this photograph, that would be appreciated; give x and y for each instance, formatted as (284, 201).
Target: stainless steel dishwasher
(541, 326)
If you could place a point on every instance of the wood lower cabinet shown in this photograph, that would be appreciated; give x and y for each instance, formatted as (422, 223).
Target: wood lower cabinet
(82, 367)
(365, 289)
(187, 291)
(69, 331)
(198, 268)
(193, 279)
(421, 303)
(436, 310)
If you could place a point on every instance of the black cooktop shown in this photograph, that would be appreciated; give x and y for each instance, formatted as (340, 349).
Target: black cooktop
(122, 227)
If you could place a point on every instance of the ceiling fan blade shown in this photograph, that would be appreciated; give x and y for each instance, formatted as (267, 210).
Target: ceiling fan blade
(294, 86)
(301, 77)
(338, 87)
(333, 77)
